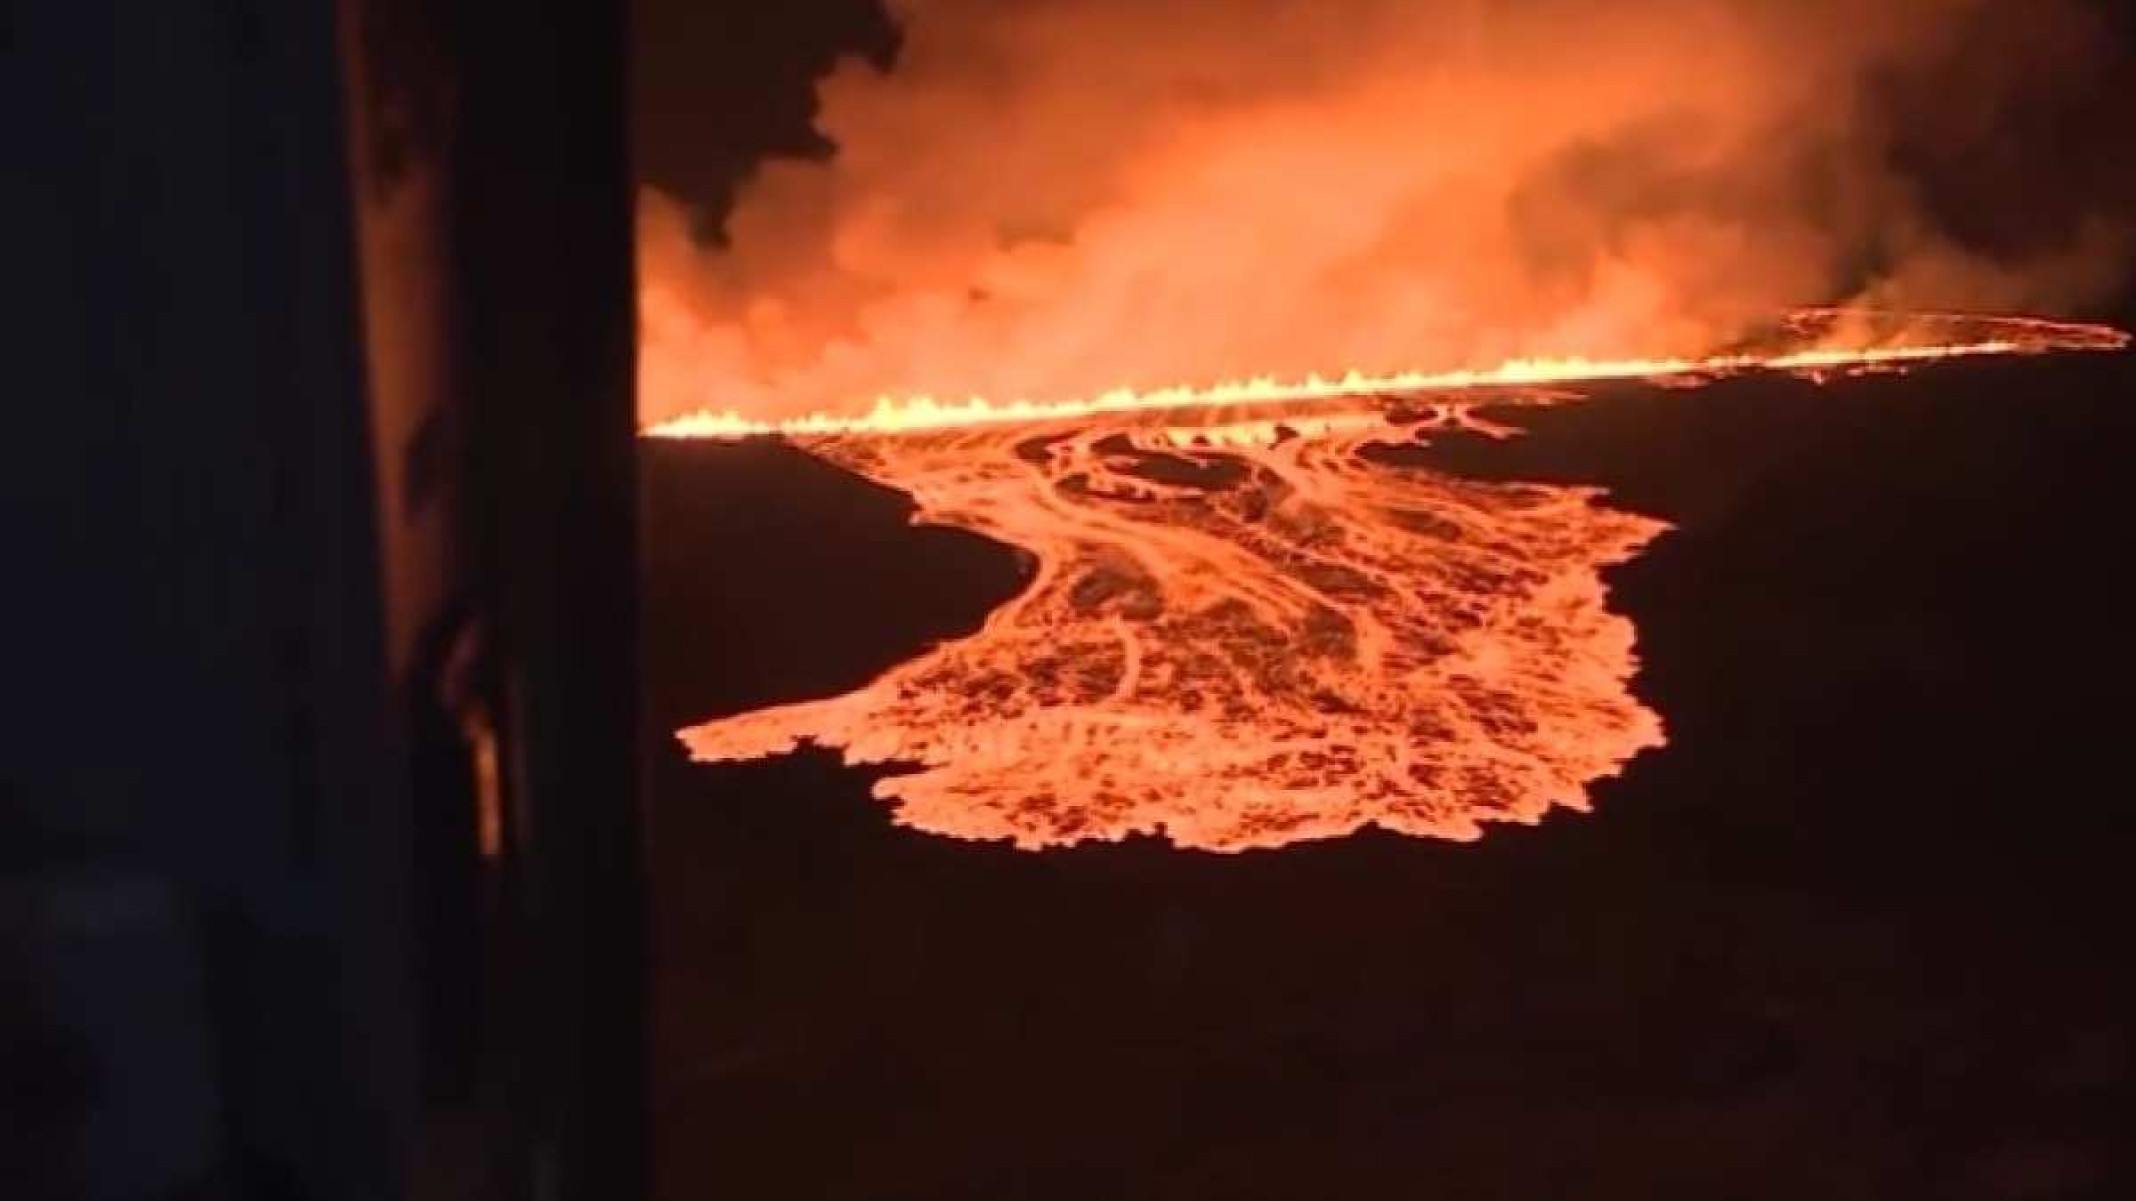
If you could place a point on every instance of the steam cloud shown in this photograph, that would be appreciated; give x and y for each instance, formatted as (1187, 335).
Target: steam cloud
(1048, 198)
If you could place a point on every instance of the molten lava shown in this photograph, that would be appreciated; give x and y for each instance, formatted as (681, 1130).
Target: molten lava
(1244, 631)
(1815, 341)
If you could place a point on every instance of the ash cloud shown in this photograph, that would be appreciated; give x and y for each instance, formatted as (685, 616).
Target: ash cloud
(1048, 198)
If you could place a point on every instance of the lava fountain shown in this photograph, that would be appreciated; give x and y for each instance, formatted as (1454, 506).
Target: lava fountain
(1244, 628)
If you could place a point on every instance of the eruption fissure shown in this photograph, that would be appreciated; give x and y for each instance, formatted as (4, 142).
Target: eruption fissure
(1837, 341)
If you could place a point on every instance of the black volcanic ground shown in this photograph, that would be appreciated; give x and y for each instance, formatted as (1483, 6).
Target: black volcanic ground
(1857, 932)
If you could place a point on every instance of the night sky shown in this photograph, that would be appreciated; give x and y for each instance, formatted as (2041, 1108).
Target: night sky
(717, 86)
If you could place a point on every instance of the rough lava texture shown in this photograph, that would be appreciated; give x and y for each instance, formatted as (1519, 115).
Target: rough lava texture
(1259, 627)
(1241, 636)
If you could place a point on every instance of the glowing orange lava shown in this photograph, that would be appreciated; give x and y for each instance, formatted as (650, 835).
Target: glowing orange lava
(1243, 632)
(1816, 341)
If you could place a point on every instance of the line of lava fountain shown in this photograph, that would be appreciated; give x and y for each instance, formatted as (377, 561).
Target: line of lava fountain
(1910, 340)
(1248, 632)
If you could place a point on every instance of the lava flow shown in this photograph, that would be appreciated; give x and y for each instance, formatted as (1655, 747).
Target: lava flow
(1243, 630)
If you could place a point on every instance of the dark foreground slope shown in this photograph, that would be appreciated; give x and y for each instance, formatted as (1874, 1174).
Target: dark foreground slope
(1856, 933)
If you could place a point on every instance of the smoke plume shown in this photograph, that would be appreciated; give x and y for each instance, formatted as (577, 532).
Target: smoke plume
(1048, 198)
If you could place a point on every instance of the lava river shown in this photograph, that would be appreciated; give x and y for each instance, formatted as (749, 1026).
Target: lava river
(1248, 629)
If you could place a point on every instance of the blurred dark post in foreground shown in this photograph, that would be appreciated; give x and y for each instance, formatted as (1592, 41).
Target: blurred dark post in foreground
(319, 844)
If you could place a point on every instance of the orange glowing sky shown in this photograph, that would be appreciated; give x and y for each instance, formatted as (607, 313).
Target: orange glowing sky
(1056, 199)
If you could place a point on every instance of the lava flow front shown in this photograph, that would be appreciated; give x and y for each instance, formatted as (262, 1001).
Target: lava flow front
(1246, 629)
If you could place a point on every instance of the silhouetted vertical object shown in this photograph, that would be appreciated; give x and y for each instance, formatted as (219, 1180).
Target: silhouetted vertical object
(544, 245)
(320, 559)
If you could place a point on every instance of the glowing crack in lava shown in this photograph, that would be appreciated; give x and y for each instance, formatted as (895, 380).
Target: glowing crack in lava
(1252, 628)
